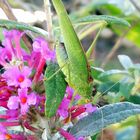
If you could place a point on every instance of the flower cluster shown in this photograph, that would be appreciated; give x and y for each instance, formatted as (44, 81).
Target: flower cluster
(20, 100)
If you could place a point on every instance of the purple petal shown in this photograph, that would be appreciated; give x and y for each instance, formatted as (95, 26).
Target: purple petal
(70, 92)
(34, 59)
(81, 138)
(32, 99)
(26, 83)
(77, 97)
(26, 71)
(36, 45)
(2, 136)
(22, 92)
(24, 108)
(90, 108)
(13, 102)
(63, 113)
(2, 129)
(13, 114)
(40, 45)
(64, 104)
(11, 75)
(63, 108)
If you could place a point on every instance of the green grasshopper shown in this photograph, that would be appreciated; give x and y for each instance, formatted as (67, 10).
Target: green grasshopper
(77, 71)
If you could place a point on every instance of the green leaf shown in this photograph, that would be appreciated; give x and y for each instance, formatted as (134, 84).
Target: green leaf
(110, 9)
(106, 18)
(113, 75)
(125, 88)
(104, 117)
(95, 71)
(21, 26)
(108, 86)
(94, 137)
(125, 61)
(134, 99)
(133, 34)
(103, 5)
(78, 74)
(54, 88)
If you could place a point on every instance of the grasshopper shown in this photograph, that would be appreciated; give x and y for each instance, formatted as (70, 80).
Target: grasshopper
(72, 62)
(77, 71)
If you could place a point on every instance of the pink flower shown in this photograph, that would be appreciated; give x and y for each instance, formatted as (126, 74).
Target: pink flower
(5, 55)
(63, 108)
(10, 37)
(81, 110)
(69, 92)
(39, 70)
(81, 138)
(76, 111)
(40, 45)
(90, 108)
(77, 97)
(18, 77)
(33, 59)
(23, 99)
(8, 51)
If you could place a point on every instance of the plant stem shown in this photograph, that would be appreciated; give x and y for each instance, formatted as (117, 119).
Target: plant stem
(7, 10)
(47, 6)
(135, 5)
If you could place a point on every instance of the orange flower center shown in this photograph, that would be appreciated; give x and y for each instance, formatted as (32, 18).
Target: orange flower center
(23, 100)
(20, 79)
(8, 137)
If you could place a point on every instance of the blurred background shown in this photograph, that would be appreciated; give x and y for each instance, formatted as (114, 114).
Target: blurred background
(113, 40)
